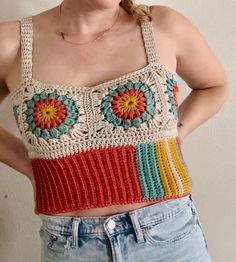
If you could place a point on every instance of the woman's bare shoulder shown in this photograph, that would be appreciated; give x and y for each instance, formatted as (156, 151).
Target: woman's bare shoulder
(170, 20)
(9, 45)
(204, 68)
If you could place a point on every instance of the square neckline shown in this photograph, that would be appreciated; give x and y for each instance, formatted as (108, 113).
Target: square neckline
(150, 64)
(104, 83)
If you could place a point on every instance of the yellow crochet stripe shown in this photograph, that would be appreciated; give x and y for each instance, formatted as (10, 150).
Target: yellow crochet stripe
(167, 177)
(179, 165)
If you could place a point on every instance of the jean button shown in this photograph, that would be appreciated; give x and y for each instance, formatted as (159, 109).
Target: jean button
(111, 224)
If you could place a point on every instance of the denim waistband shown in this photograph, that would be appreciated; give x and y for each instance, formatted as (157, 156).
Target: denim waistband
(143, 216)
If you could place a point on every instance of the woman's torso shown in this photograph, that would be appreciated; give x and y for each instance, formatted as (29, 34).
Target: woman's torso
(119, 53)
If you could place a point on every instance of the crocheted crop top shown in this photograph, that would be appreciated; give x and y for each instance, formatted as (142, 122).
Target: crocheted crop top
(111, 144)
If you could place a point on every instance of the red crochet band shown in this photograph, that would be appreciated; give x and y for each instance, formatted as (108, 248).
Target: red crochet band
(110, 176)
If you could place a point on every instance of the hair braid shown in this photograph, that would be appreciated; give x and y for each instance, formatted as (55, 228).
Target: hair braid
(137, 10)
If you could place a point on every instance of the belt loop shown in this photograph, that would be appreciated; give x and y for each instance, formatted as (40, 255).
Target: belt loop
(136, 226)
(75, 231)
(190, 197)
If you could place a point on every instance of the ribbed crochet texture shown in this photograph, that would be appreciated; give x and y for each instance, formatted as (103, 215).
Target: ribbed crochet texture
(111, 144)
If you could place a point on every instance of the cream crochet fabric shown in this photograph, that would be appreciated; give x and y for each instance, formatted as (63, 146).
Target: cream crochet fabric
(90, 130)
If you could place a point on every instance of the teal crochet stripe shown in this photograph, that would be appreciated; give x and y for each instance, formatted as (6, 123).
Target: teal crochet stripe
(156, 172)
(148, 171)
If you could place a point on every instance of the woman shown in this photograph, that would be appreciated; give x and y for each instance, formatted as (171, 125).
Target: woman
(102, 137)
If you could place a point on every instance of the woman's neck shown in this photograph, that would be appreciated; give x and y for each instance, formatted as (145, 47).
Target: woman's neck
(85, 17)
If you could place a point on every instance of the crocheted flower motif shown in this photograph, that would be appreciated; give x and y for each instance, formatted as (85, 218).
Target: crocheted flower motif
(49, 115)
(129, 105)
(172, 91)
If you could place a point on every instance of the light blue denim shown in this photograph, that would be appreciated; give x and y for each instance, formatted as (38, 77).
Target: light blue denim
(168, 231)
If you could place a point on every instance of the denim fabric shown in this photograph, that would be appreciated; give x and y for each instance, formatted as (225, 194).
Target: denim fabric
(168, 231)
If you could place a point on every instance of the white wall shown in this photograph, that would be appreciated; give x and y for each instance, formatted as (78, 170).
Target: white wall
(209, 151)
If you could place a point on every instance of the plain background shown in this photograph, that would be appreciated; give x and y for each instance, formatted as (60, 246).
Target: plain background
(209, 150)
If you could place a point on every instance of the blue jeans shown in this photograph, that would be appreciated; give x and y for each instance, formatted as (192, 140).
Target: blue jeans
(168, 231)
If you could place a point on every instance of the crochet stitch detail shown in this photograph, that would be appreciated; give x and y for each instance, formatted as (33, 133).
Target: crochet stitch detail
(111, 144)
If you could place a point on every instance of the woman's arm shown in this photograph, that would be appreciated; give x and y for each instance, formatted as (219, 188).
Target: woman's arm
(197, 65)
(12, 150)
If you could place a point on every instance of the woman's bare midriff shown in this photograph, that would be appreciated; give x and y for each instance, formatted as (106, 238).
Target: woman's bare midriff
(107, 211)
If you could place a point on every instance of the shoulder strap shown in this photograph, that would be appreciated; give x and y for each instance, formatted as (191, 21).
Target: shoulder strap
(149, 40)
(26, 47)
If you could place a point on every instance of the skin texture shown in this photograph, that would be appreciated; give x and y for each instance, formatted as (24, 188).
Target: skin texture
(181, 48)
